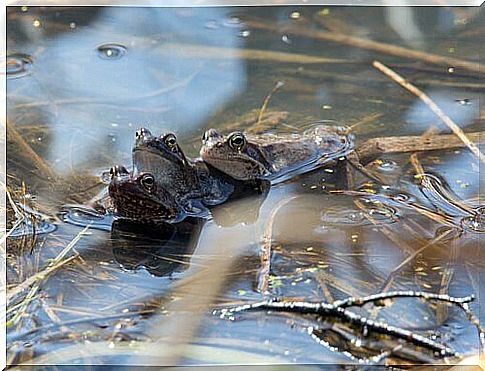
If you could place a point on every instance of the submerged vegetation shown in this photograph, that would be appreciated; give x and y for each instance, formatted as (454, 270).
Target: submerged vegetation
(371, 258)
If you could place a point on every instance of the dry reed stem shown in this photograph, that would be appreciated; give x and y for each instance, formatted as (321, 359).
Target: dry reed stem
(38, 276)
(365, 120)
(433, 106)
(221, 53)
(410, 258)
(376, 146)
(55, 264)
(265, 254)
(26, 149)
(278, 85)
(376, 46)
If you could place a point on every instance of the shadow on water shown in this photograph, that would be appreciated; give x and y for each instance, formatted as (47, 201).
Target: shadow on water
(82, 80)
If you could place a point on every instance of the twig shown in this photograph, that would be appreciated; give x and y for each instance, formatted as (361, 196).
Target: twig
(19, 336)
(410, 258)
(432, 105)
(374, 147)
(365, 120)
(369, 45)
(351, 302)
(278, 85)
(38, 276)
(56, 263)
(248, 121)
(266, 246)
(338, 309)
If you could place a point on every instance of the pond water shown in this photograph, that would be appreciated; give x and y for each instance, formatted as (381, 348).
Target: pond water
(81, 81)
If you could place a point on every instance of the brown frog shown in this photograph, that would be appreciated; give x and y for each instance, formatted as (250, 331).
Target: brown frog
(274, 157)
(189, 181)
(140, 198)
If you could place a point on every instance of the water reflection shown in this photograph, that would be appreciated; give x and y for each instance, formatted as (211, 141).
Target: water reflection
(162, 250)
(79, 112)
(421, 117)
(102, 101)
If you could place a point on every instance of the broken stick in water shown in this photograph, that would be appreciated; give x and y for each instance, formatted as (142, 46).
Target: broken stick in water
(433, 106)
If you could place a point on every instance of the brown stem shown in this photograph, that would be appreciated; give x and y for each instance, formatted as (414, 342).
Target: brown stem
(358, 42)
(432, 106)
(376, 146)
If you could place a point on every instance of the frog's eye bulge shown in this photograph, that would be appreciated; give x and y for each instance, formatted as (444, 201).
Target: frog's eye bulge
(170, 141)
(237, 141)
(148, 182)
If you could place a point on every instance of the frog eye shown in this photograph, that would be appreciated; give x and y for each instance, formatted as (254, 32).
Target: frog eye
(170, 141)
(147, 181)
(237, 141)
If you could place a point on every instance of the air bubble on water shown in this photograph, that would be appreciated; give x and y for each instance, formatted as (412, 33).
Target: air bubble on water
(72, 25)
(451, 70)
(387, 165)
(463, 102)
(286, 39)
(211, 25)
(295, 14)
(36, 23)
(244, 33)
(111, 51)
(18, 65)
(232, 21)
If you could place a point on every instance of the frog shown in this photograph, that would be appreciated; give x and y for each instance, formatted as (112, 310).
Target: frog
(274, 157)
(139, 197)
(189, 181)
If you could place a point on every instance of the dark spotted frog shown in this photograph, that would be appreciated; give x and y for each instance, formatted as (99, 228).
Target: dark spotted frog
(140, 198)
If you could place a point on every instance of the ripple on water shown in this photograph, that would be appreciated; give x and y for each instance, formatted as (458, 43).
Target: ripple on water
(18, 65)
(83, 216)
(387, 166)
(30, 227)
(111, 51)
(372, 212)
(233, 21)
